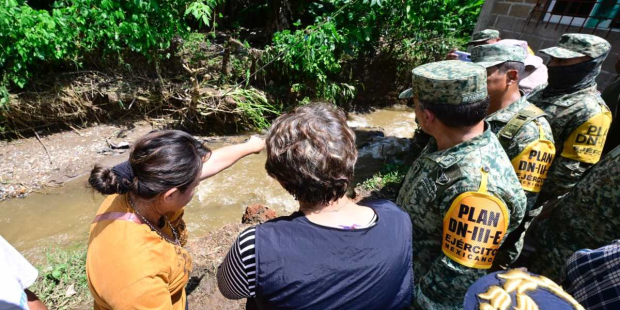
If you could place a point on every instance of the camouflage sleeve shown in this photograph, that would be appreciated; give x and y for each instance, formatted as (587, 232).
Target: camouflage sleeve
(540, 129)
(530, 133)
(581, 146)
(446, 282)
(563, 175)
(513, 243)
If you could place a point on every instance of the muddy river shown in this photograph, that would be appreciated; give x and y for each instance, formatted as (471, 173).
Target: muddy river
(61, 216)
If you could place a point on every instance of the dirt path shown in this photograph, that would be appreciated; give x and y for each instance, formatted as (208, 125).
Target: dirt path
(31, 164)
(208, 253)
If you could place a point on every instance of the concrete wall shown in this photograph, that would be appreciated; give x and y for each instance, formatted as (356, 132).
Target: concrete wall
(510, 18)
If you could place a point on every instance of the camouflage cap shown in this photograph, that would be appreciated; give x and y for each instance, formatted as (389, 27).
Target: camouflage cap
(448, 82)
(490, 55)
(486, 34)
(573, 45)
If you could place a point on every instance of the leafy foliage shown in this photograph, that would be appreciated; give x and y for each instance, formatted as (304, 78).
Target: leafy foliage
(321, 57)
(202, 11)
(254, 106)
(390, 175)
(410, 31)
(312, 58)
(75, 28)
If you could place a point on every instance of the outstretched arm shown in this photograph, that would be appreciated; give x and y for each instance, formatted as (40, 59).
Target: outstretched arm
(225, 157)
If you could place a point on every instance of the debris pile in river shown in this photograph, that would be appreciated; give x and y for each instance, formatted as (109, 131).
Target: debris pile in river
(256, 214)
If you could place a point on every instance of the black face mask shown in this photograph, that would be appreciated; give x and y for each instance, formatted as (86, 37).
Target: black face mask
(569, 79)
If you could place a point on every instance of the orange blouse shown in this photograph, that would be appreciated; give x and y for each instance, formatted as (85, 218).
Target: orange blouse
(131, 267)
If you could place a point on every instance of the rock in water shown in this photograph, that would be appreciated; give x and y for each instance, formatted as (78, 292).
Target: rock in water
(256, 214)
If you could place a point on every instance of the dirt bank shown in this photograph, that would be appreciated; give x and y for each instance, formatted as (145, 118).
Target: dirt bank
(207, 254)
(34, 163)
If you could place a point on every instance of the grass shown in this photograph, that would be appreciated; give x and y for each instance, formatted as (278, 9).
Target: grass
(62, 282)
(390, 176)
(254, 106)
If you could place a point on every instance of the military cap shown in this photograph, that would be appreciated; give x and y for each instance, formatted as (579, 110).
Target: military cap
(573, 45)
(490, 55)
(531, 59)
(448, 82)
(517, 289)
(486, 34)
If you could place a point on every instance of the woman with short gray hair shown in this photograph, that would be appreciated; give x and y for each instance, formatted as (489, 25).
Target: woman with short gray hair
(332, 253)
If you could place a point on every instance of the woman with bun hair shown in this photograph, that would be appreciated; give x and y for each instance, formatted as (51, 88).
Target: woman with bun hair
(135, 256)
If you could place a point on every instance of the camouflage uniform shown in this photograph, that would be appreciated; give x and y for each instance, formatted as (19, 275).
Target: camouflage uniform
(531, 133)
(484, 35)
(588, 217)
(437, 180)
(568, 113)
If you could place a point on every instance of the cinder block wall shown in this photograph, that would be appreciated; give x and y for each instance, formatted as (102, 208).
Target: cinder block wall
(510, 18)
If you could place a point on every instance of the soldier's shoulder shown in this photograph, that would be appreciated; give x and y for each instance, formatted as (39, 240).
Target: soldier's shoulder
(586, 106)
(486, 155)
(584, 97)
(489, 158)
(609, 165)
(536, 91)
(494, 152)
(529, 132)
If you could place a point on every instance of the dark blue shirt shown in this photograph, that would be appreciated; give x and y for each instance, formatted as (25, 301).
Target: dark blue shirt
(302, 265)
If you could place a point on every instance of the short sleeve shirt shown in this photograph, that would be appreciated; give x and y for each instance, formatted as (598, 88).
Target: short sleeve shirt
(17, 275)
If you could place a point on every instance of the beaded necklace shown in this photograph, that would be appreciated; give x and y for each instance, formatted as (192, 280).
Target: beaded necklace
(174, 232)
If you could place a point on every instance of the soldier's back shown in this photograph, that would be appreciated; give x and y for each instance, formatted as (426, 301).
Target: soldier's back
(579, 122)
(431, 191)
(569, 111)
(526, 136)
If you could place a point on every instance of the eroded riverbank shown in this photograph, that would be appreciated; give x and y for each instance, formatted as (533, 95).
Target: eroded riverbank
(59, 217)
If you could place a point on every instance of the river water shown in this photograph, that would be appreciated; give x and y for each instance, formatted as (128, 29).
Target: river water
(60, 217)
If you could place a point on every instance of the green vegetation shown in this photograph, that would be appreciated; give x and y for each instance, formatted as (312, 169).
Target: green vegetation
(390, 177)
(254, 106)
(167, 57)
(62, 282)
(75, 29)
(310, 59)
(409, 32)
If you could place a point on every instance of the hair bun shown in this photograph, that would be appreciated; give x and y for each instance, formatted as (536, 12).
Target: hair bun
(104, 180)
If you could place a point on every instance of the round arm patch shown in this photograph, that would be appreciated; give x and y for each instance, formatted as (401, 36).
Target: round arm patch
(586, 143)
(474, 228)
(533, 164)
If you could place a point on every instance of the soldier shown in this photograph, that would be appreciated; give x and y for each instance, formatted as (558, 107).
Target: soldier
(520, 126)
(579, 117)
(486, 36)
(535, 73)
(461, 193)
(588, 217)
